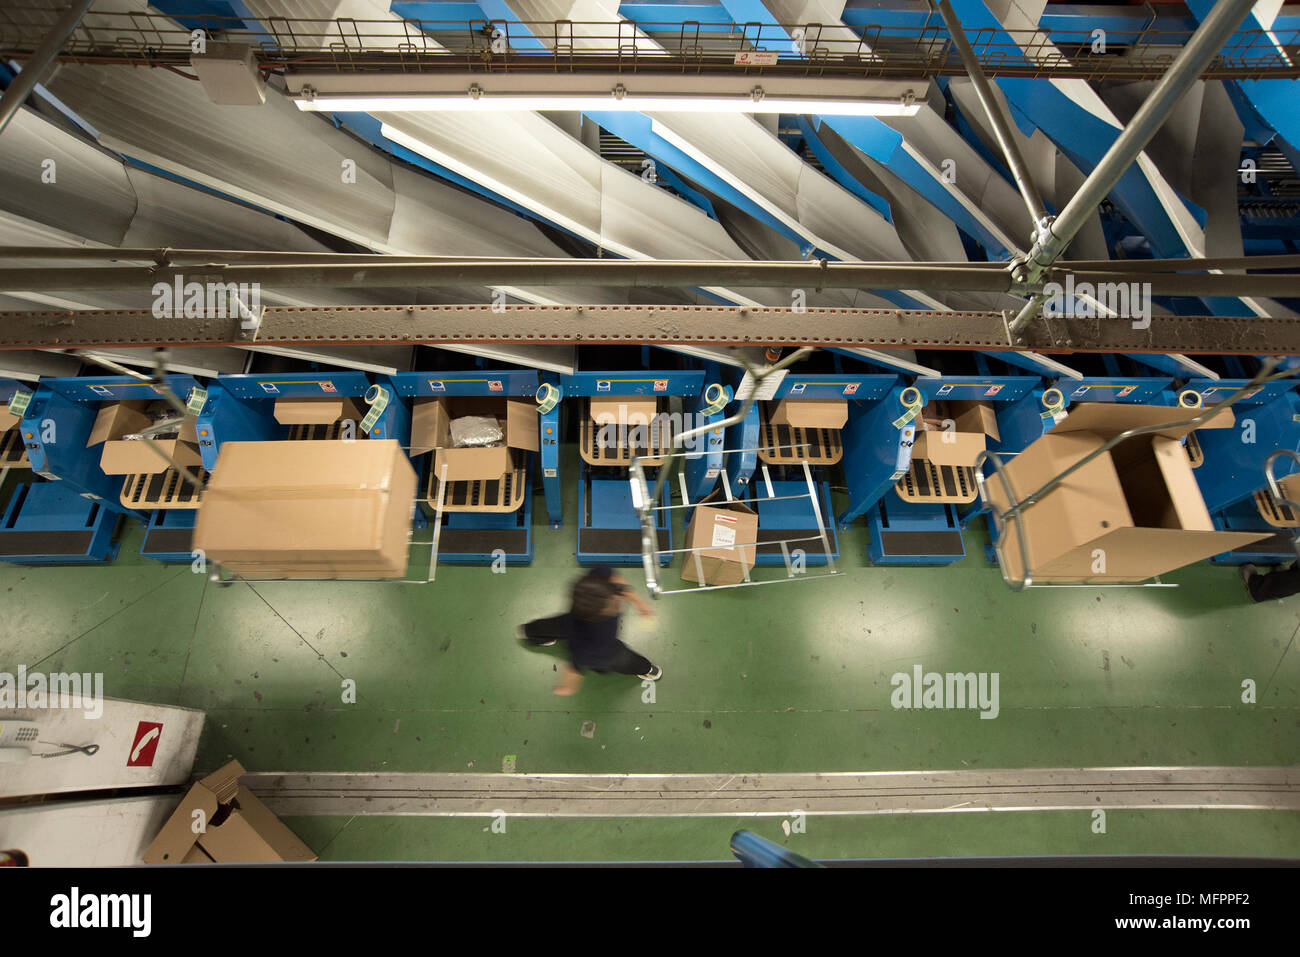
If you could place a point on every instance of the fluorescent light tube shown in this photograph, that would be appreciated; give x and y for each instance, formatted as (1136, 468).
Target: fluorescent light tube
(594, 102)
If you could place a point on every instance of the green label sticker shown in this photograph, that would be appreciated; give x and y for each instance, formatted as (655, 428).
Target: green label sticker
(19, 402)
(377, 396)
(198, 397)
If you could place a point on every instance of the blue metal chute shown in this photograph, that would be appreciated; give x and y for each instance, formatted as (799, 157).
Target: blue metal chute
(755, 851)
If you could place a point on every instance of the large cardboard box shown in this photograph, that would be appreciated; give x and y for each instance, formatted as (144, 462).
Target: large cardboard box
(237, 827)
(725, 532)
(431, 431)
(809, 413)
(122, 456)
(1130, 514)
(973, 424)
(324, 411)
(7, 419)
(309, 509)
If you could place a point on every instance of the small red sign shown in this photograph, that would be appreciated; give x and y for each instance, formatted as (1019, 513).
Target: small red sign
(494, 385)
(328, 387)
(851, 388)
(145, 745)
(661, 385)
(1125, 391)
(993, 390)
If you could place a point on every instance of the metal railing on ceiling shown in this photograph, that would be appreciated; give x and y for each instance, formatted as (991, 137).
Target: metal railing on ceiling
(808, 49)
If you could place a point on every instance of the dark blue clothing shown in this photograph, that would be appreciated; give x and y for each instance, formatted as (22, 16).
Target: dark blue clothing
(593, 645)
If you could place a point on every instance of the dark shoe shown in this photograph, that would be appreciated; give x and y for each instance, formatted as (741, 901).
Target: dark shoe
(654, 674)
(539, 644)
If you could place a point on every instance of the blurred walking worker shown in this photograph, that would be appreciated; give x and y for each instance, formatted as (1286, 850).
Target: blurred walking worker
(591, 629)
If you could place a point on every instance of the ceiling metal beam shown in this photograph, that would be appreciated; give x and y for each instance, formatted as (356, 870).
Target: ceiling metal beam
(812, 274)
(310, 327)
(36, 65)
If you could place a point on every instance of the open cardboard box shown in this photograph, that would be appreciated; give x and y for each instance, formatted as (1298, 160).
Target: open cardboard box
(121, 456)
(237, 827)
(1130, 514)
(726, 532)
(973, 424)
(431, 431)
(316, 411)
(309, 509)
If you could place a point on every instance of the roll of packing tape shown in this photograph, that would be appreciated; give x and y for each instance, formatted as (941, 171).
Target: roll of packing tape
(1189, 399)
(377, 397)
(1053, 403)
(912, 401)
(548, 397)
(716, 397)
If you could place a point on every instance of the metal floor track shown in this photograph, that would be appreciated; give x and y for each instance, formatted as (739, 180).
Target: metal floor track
(776, 795)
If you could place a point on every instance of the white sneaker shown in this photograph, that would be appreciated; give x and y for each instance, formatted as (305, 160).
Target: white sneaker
(654, 674)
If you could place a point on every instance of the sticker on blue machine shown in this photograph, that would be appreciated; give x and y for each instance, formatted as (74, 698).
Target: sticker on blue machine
(494, 385)
(993, 390)
(944, 390)
(661, 385)
(797, 387)
(270, 387)
(1127, 390)
(437, 385)
(328, 387)
(101, 390)
(851, 388)
(602, 386)
(1082, 390)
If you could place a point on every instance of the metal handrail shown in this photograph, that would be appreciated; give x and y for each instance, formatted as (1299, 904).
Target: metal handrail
(293, 43)
(1017, 506)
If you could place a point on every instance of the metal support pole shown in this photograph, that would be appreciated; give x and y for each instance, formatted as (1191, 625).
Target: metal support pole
(1204, 45)
(1001, 129)
(39, 62)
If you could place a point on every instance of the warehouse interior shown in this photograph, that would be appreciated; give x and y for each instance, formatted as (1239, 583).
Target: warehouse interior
(929, 369)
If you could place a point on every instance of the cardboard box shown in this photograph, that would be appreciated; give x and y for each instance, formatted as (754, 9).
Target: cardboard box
(316, 411)
(7, 419)
(726, 533)
(309, 509)
(117, 419)
(1136, 507)
(122, 456)
(629, 410)
(809, 413)
(238, 828)
(973, 424)
(431, 431)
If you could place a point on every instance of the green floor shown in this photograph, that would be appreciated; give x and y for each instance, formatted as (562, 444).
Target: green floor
(795, 677)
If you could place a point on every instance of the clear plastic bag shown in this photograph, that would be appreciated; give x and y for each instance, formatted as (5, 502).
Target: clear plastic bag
(476, 431)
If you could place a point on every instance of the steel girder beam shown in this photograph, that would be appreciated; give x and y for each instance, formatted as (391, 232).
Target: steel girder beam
(657, 325)
(625, 273)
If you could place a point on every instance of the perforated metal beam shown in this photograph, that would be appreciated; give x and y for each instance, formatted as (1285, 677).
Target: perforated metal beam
(677, 325)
